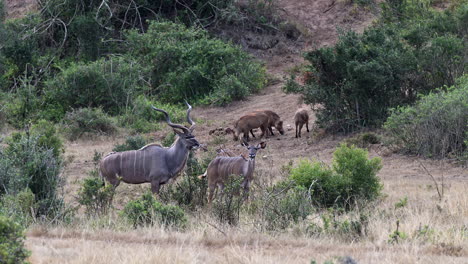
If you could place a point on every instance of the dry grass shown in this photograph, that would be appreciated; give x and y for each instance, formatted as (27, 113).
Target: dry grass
(110, 240)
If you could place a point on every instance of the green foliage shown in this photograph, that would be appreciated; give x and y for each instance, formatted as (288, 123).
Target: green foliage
(148, 211)
(29, 164)
(12, 249)
(436, 126)
(363, 140)
(21, 106)
(20, 206)
(131, 143)
(197, 68)
(358, 80)
(402, 202)
(397, 235)
(168, 139)
(47, 137)
(95, 196)
(189, 192)
(111, 84)
(226, 208)
(352, 178)
(281, 205)
(2, 11)
(88, 120)
(143, 119)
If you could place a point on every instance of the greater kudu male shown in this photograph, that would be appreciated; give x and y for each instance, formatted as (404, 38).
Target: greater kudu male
(152, 163)
(221, 168)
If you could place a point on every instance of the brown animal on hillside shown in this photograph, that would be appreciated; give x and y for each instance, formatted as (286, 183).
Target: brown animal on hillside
(152, 163)
(221, 168)
(274, 120)
(301, 117)
(249, 122)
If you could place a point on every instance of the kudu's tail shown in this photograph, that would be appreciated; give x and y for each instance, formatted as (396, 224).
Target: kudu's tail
(203, 175)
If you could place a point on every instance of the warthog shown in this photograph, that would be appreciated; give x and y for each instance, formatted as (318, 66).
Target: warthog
(221, 168)
(152, 163)
(274, 120)
(301, 117)
(249, 122)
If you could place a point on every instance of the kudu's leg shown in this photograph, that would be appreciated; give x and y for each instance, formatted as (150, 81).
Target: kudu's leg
(211, 190)
(307, 125)
(155, 186)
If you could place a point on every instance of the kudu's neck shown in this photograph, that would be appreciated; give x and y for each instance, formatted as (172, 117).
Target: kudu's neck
(177, 156)
(250, 166)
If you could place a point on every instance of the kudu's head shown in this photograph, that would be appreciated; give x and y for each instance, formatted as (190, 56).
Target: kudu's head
(184, 133)
(253, 149)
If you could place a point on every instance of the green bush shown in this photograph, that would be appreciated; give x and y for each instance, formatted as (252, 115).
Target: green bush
(2, 11)
(88, 120)
(95, 196)
(227, 206)
(29, 164)
(148, 211)
(436, 126)
(281, 205)
(189, 192)
(12, 249)
(47, 137)
(143, 119)
(356, 82)
(197, 68)
(352, 178)
(111, 84)
(131, 143)
(21, 106)
(363, 140)
(20, 206)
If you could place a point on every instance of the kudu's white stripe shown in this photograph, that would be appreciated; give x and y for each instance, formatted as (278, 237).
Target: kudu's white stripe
(134, 163)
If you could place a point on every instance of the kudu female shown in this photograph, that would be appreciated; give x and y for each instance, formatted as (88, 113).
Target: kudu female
(221, 168)
(152, 163)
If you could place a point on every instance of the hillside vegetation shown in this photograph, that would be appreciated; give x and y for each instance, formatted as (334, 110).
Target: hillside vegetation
(77, 75)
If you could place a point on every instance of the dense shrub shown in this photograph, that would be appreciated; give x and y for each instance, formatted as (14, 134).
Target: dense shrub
(436, 126)
(363, 140)
(188, 192)
(111, 84)
(131, 143)
(143, 119)
(21, 206)
(88, 120)
(281, 205)
(197, 68)
(21, 106)
(29, 164)
(352, 178)
(227, 206)
(47, 137)
(95, 196)
(354, 83)
(148, 211)
(12, 249)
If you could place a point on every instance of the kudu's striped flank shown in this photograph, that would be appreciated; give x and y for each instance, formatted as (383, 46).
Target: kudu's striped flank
(221, 168)
(152, 163)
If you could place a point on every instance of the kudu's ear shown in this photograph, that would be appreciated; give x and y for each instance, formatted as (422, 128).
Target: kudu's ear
(261, 145)
(244, 143)
(178, 132)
